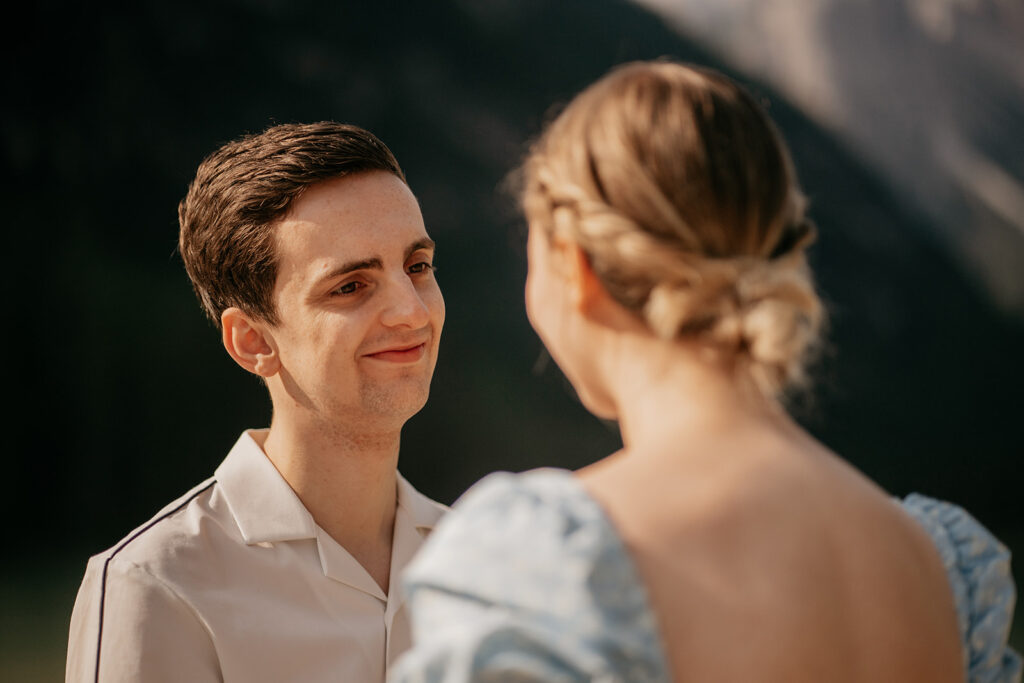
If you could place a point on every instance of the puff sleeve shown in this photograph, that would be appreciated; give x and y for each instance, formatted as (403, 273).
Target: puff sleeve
(526, 581)
(978, 568)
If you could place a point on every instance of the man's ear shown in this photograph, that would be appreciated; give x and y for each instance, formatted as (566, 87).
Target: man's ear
(249, 343)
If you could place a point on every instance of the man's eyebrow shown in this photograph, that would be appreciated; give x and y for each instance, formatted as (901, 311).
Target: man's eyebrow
(365, 264)
(425, 243)
(375, 262)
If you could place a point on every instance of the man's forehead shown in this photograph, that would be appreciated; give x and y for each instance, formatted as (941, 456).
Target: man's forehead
(360, 195)
(350, 219)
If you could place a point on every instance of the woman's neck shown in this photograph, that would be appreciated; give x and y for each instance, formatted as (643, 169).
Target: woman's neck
(665, 390)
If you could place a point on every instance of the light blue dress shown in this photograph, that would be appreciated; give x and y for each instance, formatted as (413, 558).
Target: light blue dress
(527, 580)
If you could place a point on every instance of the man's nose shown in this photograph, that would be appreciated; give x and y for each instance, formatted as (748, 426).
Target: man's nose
(405, 306)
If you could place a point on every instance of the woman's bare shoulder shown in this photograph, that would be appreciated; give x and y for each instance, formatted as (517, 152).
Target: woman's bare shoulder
(732, 543)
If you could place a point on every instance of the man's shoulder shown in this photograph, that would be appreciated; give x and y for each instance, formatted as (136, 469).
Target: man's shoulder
(142, 585)
(184, 526)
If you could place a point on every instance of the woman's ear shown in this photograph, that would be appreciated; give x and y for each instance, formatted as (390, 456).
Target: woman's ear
(588, 294)
(249, 343)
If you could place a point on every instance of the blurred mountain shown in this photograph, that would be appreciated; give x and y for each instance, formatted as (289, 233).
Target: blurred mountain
(929, 93)
(123, 398)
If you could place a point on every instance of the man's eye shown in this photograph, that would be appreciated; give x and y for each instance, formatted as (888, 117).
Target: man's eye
(348, 288)
(421, 267)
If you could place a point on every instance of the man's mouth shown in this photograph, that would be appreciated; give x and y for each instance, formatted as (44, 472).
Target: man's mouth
(400, 354)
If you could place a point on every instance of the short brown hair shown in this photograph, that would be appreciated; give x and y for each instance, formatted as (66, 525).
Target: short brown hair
(240, 191)
(682, 193)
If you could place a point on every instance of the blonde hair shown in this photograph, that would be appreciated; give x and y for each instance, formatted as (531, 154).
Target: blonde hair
(681, 192)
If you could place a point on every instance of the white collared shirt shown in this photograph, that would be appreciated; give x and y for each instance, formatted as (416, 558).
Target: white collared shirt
(234, 581)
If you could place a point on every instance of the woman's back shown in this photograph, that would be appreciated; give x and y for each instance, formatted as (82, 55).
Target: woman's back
(529, 579)
(761, 544)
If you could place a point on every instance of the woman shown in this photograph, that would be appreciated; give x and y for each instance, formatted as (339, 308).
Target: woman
(722, 543)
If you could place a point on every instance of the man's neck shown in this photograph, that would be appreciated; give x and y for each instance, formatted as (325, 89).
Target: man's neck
(348, 482)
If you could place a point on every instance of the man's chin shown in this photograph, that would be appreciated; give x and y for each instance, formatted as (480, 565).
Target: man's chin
(396, 402)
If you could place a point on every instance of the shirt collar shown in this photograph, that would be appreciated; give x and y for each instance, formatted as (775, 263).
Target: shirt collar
(267, 509)
(423, 512)
(263, 504)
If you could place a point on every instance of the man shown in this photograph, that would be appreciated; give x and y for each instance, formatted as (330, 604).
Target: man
(308, 251)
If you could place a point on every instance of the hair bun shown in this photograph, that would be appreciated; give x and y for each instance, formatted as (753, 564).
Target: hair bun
(766, 314)
(779, 330)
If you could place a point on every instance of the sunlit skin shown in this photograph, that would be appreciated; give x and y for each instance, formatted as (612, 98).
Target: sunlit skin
(757, 545)
(352, 354)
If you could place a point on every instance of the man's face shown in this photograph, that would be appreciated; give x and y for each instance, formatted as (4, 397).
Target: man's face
(360, 310)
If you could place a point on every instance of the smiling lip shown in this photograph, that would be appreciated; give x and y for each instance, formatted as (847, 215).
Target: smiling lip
(408, 354)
